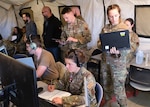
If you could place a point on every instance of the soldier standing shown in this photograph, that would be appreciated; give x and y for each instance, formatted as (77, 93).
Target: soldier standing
(51, 31)
(75, 34)
(113, 63)
(31, 28)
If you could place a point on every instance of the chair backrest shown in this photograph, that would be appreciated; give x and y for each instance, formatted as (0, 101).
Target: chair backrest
(61, 69)
(139, 78)
(99, 93)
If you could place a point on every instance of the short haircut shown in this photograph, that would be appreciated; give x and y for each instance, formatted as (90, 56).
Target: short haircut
(48, 8)
(27, 15)
(35, 39)
(66, 10)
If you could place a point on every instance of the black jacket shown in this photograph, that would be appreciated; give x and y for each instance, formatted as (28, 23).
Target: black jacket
(51, 30)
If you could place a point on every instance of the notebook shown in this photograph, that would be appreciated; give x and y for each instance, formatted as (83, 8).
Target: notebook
(56, 93)
(27, 61)
(119, 39)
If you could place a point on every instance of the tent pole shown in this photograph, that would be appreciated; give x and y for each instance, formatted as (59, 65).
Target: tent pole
(42, 2)
(104, 12)
(15, 14)
(37, 1)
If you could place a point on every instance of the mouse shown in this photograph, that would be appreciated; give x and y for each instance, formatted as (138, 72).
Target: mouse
(40, 89)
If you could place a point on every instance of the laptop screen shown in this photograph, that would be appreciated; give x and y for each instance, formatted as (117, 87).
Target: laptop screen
(27, 61)
(86, 93)
(119, 39)
(3, 49)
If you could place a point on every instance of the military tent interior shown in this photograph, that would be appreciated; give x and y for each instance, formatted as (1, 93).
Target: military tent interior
(93, 12)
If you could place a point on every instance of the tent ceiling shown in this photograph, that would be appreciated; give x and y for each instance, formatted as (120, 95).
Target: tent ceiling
(15, 2)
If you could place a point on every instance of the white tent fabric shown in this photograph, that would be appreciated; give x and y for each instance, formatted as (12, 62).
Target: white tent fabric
(8, 21)
(15, 2)
(91, 10)
(5, 5)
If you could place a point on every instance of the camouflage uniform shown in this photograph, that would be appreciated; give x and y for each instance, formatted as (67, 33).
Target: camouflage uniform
(113, 70)
(78, 30)
(10, 47)
(134, 43)
(21, 46)
(80, 17)
(74, 83)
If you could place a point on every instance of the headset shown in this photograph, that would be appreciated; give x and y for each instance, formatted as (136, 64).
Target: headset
(76, 56)
(32, 44)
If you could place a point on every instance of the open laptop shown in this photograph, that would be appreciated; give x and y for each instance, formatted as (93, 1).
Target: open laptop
(3, 50)
(27, 61)
(86, 93)
(119, 39)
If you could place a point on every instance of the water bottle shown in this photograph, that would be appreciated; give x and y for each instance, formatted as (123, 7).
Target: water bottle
(139, 57)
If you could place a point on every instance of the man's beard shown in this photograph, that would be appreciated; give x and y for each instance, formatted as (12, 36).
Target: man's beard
(25, 21)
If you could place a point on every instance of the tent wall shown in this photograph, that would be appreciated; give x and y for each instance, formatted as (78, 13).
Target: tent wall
(7, 21)
(92, 11)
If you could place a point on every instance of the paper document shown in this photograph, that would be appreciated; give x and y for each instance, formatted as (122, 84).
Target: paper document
(56, 93)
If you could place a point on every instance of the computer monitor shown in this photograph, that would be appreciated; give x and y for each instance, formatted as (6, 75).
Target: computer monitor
(18, 82)
(3, 49)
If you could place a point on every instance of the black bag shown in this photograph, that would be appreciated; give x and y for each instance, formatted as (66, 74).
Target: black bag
(140, 75)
